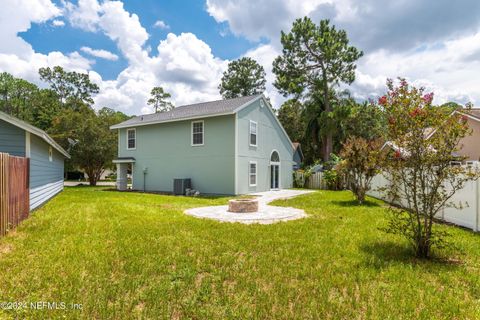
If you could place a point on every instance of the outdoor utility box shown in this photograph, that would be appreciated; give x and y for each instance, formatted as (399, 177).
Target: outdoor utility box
(181, 185)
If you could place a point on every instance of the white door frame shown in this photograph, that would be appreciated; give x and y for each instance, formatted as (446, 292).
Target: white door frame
(275, 163)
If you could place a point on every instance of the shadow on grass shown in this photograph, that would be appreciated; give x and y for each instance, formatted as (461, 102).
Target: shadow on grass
(386, 252)
(354, 203)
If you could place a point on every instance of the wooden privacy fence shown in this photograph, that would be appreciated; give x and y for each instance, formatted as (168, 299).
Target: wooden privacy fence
(14, 191)
(314, 181)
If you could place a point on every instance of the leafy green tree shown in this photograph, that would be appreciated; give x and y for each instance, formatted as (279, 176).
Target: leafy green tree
(244, 77)
(70, 86)
(419, 171)
(353, 119)
(159, 100)
(7, 82)
(95, 145)
(23, 94)
(315, 59)
(290, 116)
(44, 107)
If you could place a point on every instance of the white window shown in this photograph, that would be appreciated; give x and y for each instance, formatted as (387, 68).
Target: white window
(131, 139)
(252, 174)
(253, 133)
(197, 133)
(50, 154)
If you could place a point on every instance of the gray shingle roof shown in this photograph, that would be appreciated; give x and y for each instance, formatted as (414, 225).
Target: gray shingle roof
(192, 111)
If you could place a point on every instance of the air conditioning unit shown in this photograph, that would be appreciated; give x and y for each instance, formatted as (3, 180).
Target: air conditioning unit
(181, 185)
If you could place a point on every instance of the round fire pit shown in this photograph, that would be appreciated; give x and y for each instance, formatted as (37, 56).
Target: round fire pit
(243, 205)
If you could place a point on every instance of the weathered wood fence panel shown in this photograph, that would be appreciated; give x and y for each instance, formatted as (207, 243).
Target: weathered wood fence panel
(314, 181)
(14, 191)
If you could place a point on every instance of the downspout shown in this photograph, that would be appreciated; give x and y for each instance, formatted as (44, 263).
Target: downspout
(145, 170)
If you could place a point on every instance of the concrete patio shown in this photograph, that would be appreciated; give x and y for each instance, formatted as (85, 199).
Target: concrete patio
(266, 213)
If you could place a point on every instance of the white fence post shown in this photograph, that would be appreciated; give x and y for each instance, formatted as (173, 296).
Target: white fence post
(477, 206)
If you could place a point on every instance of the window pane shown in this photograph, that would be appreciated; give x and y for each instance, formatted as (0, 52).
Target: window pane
(131, 139)
(197, 133)
(253, 127)
(198, 138)
(197, 127)
(275, 157)
(253, 139)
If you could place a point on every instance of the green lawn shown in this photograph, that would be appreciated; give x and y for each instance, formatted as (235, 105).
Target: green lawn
(132, 255)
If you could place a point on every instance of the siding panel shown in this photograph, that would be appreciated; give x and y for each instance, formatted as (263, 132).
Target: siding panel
(166, 151)
(12, 139)
(46, 177)
(269, 137)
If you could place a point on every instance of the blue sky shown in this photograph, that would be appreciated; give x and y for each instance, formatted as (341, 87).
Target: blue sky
(180, 16)
(130, 46)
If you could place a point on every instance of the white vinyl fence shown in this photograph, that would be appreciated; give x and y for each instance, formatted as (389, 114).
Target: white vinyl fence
(469, 197)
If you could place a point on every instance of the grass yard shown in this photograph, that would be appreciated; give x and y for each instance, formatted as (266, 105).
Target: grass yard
(132, 255)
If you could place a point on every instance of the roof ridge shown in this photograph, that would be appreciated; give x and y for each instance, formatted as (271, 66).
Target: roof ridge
(193, 111)
(201, 103)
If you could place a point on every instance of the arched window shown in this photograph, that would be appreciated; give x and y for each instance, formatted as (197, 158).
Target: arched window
(274, 157)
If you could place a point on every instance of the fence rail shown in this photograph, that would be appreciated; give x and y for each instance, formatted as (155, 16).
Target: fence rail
(14, 191)
(468, 215)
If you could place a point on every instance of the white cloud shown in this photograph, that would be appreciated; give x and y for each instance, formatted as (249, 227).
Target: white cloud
(100, 53)
(58, 23)
(16, 55)
(257, 19)
(264, 55)
(185, 67)
(161, 25)
(432, 43)
(13, 21)
(85, 15)
(118, 24)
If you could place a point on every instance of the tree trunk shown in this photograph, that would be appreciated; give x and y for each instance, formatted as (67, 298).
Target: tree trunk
(92, 180)
(328, 139)
(328, 147)
(423, 248)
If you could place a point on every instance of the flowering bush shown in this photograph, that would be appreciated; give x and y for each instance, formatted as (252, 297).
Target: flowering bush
(425, 139)
(361, 163)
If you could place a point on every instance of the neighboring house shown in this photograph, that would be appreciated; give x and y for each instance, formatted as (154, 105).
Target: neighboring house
(21, 139)
(469, 145)
(297, 155)
(233, 146)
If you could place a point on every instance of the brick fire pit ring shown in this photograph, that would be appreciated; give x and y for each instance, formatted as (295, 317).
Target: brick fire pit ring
(243, 205)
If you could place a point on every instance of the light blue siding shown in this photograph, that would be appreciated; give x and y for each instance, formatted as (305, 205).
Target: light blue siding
(46, 177)
(221, 165)
(12, 139)
(166, 151)
(270, 137)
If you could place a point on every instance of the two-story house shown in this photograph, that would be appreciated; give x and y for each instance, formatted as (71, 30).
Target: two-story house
(233, 146)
